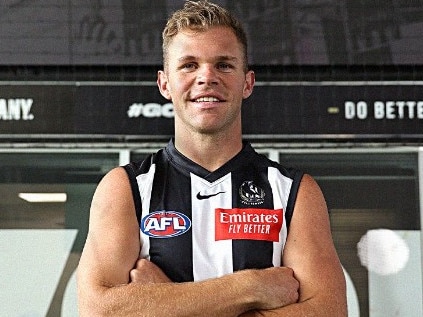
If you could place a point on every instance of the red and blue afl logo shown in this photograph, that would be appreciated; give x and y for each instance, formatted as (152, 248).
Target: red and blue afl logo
(165, 224)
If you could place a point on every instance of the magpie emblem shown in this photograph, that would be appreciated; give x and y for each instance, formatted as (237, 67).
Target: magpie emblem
(251, 194)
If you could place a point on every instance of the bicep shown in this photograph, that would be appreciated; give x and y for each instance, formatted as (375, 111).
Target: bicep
(309, 250)
(112, 245)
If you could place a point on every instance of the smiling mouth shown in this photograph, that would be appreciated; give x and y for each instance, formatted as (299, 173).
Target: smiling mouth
(207, 99)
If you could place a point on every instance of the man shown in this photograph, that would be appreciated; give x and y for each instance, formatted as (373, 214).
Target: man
(201, 227)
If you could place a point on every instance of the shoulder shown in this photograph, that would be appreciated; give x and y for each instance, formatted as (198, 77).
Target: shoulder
(113, 194)
(310, 193)
(116, 179)
(112, 243)
(310, 219)
(112, 214)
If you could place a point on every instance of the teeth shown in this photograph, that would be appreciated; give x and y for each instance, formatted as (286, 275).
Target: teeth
(207, 99)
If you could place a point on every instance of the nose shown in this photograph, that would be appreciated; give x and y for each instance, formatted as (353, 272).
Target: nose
(207, 75)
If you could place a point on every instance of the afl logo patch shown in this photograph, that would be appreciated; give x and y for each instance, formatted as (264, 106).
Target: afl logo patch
(165, 224)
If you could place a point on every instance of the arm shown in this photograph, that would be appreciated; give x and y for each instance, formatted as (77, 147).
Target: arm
(310, 252)
(112, 282)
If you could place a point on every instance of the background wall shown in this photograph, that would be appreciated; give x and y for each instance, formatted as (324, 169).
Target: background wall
(301, 32)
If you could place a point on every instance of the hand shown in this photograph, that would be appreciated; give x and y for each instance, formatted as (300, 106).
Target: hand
(146, 272)
(277, 287)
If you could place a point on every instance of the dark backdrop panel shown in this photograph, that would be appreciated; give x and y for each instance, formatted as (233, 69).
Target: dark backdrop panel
(117, 32)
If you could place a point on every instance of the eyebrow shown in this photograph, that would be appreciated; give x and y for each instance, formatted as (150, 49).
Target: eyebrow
(218, 58)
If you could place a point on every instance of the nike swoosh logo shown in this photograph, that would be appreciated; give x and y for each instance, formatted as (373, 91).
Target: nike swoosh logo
(201, 197)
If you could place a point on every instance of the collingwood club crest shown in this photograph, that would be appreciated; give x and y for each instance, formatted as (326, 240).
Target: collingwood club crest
(251, 194)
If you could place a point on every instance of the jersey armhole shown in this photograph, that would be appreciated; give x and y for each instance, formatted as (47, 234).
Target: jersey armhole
(129, 168)
(296, 180)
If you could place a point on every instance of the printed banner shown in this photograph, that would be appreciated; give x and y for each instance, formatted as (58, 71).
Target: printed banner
(280, 111)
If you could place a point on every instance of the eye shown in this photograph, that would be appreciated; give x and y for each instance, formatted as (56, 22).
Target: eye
(225, 67)
(189, 67)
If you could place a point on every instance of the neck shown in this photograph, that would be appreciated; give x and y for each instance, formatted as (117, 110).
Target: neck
(209, 151)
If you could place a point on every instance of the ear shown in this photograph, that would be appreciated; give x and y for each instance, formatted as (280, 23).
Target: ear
(250, 79)
(163, 84)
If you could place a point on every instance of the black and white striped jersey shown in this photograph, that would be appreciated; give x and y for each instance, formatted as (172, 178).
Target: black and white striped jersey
(196, 224)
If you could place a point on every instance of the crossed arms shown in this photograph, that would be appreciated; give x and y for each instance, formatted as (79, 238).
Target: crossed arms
(112, 281)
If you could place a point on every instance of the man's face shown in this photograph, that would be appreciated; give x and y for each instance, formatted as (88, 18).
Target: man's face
(205, 80)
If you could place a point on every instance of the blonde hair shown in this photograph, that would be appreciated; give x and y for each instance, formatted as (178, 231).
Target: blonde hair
(200, 16)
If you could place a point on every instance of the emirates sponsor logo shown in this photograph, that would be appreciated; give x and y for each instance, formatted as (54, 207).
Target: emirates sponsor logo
(251, 224)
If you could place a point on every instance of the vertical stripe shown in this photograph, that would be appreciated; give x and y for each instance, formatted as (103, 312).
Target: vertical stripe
(145, 185)
(281, 187)
(211, 258)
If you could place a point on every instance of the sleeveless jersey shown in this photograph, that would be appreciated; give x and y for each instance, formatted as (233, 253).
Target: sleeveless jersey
(196, 224)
